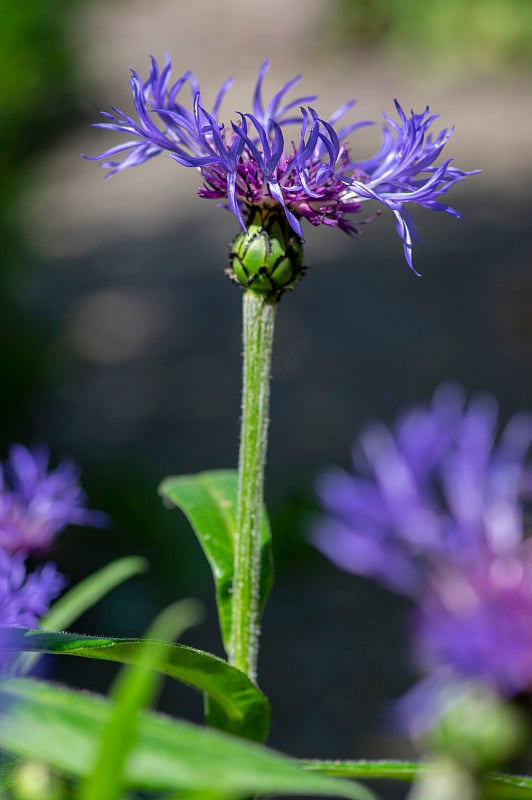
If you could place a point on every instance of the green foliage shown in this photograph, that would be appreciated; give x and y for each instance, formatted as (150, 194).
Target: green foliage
(486, 34)
(6, 774)
(235, 704)
(208, 500)
(36, 76)
(63, 729)
(385, 768)
(83, 596)
(134, 690)
(495, 785)
(38, 102)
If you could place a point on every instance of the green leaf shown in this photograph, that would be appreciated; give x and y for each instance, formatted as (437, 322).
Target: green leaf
(134, 690)
(208, 500)
(62, 728)
(6, 774)
(507, 787)
(83, 596)
(495, 785)
(367, 769)
(237, 705)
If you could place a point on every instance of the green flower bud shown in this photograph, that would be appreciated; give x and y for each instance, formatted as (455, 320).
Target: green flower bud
(268, 258)
(34, 781)
(479, 730)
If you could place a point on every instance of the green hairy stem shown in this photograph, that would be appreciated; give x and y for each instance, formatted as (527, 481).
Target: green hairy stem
(258, 328)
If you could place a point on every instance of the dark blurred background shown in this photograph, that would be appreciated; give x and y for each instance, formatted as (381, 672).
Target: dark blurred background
(120, 335)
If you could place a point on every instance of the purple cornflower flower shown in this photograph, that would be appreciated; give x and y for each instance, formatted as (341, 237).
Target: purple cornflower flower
(477, 621)
(471, 630)
(436, 514)
(311, 176)
(37, 503)
(25, 598)
(441, 487)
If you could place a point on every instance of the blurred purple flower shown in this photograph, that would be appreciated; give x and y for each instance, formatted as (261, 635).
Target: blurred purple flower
(471, 632)
(435, 512)
(442, 486)
(25, 598)
(477, 622)
(312, 176)
(37, 503)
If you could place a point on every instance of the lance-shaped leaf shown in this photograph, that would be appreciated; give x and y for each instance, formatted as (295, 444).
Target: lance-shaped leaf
(495, 785)
(73, 603)
(236, 704)
(62, 728)
(134, 690)
(208, 500)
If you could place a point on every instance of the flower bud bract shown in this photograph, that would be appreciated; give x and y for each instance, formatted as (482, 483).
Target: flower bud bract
(268, 258)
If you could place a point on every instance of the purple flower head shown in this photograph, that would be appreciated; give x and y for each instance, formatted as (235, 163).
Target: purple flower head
(435, 511)
(24, 598)
(36, 503)
(471, 631)
(476, 622)
(310, 174)
(442, 486)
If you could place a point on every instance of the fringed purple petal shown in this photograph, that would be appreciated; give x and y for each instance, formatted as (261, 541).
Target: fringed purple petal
(220, 96)
(258, 108)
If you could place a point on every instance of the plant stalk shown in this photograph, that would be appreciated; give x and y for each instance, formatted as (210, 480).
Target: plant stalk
(258, 328)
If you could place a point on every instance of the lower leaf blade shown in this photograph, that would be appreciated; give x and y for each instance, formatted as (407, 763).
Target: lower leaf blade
(236, 705)
(62, 728)
(208, 500)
